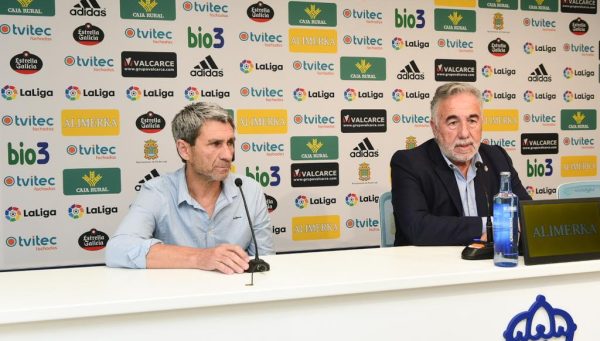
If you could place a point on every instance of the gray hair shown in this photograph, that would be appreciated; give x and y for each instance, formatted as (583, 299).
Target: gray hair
(187, 123)
(447, 90)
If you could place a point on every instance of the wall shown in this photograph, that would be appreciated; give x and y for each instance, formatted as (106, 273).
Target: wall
(322, 93)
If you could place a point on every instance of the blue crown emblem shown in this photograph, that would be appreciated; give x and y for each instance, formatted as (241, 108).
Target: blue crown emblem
(560, 323)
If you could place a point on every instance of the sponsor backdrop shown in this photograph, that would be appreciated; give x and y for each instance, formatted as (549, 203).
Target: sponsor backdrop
(322, 93)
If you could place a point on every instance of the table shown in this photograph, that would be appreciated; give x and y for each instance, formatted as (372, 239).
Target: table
(401, 293)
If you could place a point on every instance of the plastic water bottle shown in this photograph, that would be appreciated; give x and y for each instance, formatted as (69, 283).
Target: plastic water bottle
(506, 228)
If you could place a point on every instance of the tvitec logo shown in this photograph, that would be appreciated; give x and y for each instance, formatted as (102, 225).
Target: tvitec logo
(97, 64)
(34, 32)
(321, 121)
(37, 183)
(318, 67)
(366, 15)
(36, 122)
(213, 10)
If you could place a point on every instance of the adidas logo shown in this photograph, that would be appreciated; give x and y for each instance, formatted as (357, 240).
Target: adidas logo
(364, 149)
(539, 75)
(89, 8)
(411, 71)
(206, 68)
(153, 174)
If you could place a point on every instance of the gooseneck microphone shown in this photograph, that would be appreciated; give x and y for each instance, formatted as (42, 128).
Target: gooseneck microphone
(256, 264)
(480, 249)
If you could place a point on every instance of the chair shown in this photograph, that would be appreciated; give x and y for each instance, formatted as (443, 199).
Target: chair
(386, 220)
(579, 189)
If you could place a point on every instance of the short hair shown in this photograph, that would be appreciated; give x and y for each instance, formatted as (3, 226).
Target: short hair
(450, 89)
(187, 123)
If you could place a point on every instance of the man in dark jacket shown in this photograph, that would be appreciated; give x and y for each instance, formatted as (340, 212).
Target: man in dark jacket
(442, 190)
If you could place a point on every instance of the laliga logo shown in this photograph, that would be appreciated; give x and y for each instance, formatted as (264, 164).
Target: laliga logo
(191, 93)
(568, 96)
(528, 48)
(12, 214)
(530, 190)
(397, 43)
(398, 95)
(72, 93)
(9, 92)
(246, 66)
(351, 199)
(350, 94)
(528, 96)
(487, 71)
(301, 201)
(487, 95)
(76, 211)
(560, 323)
(299, 94)
(134, 93)
(568, 73)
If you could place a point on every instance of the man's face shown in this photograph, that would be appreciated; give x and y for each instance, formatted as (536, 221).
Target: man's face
(458, 127)
(211, 156)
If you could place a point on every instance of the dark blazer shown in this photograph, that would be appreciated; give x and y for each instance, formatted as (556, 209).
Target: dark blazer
(427, 205)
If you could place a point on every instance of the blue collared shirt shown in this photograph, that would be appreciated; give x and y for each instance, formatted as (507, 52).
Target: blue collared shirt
(466, 187)
(164, 212)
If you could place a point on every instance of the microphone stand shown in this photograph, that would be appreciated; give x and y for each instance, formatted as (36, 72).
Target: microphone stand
(256, 264)
(480, 249)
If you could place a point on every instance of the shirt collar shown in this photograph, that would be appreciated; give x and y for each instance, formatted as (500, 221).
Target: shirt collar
(476, 158)
(229, 189)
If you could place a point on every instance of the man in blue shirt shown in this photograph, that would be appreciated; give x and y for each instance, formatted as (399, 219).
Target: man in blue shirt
(195, 217)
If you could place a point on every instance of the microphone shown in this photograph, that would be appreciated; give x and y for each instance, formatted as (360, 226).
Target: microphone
(480, 249)
(256, 264)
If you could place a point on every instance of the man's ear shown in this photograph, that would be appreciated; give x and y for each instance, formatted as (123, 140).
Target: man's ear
(183, 149)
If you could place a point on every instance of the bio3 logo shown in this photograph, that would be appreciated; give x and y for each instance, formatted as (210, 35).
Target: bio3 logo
(265, 178)
(536, 169)
(205, 40)
(21, 155)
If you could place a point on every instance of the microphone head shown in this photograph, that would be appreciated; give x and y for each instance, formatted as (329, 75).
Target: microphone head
(238, 182)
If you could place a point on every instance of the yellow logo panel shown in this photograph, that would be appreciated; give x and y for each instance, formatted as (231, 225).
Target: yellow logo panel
(500, 120)
(456, 3)
(261, 121)
(316, 227)
(578, 166)
(90, 122)
(312, 40)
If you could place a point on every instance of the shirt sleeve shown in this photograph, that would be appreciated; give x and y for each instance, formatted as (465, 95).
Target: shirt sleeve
(262, 225)
(131, 242)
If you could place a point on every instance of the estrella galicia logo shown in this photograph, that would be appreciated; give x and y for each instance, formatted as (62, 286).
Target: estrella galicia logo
(149, 64)
(522, 327)
(315, 174)
(260, 12)
(88, 35)
(579, 27)
(271, 203)
(498, 47)
(26, 63)
(93, 240)
(150, 123)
